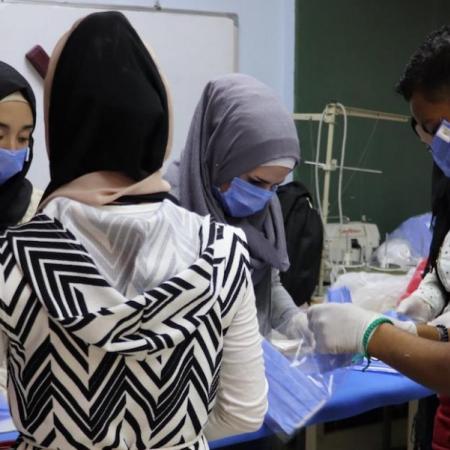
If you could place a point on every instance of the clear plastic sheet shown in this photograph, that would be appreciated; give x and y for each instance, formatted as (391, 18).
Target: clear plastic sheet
(297, 390)
(300, 380)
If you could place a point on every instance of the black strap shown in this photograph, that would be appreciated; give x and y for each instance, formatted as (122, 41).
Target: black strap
(146, 198)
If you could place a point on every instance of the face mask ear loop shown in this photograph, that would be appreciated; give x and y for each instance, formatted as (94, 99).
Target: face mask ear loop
(27, 156)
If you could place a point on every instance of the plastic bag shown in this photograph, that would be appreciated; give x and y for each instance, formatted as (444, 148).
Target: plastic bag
(394, 253)
(416, 230)
(300, 381)
(339, 295)
(374, 291)
(298, 389)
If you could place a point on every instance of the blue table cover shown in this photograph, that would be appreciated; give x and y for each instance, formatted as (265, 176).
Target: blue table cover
(356, 392)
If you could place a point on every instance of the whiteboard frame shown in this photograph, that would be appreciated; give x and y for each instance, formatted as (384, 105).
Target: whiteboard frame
(155, 8)
(36, 175)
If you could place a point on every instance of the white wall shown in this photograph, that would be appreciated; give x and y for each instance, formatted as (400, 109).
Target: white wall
(266, 40)
(266, 35)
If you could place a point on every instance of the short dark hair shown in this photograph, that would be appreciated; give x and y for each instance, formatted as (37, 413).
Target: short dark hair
(428, 70)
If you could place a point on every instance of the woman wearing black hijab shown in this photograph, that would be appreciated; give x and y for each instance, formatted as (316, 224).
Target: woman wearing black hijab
(18, 199)
(141, 328)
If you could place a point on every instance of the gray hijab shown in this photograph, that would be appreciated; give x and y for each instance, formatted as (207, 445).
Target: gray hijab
(238, 124)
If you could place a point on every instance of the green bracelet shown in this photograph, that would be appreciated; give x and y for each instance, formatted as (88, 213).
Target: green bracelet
(369, 332)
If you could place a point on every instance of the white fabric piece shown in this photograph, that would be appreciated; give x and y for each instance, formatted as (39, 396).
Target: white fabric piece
(14, 97)
(241, 398)
(288, 163)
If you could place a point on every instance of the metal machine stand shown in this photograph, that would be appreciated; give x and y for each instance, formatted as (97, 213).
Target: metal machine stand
(331, 111)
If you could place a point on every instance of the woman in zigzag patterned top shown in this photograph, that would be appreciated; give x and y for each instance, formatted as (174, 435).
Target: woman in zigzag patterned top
(129, 322)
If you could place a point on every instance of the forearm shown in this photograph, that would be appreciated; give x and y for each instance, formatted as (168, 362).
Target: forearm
(421, 359)
(283, 306)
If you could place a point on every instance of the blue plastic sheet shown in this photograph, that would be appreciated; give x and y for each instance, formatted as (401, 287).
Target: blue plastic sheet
(339, 295)
(415, 230)
(396, 315)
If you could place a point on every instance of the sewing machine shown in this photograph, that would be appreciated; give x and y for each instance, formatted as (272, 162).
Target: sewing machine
(352, 243)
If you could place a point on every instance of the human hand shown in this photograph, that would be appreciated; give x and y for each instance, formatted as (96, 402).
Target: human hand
(297, 328)
(443, 319)
(339, 328)
(417, 308)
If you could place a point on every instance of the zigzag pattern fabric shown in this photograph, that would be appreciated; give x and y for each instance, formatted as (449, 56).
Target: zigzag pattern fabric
(93, 367)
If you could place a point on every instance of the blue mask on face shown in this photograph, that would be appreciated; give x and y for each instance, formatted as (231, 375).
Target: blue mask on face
(440, 148)
(243, 199)
(11, 163)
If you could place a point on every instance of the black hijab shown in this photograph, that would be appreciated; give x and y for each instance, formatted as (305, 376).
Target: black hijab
(108, 107)
(440, 206)
(15, 193)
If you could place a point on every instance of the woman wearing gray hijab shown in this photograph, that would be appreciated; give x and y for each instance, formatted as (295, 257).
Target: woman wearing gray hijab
(242, 143)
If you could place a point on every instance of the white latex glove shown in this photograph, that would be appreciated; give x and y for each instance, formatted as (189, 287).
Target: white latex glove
(340, 328)
(297, 328)
(408, 326)
(443, 319)
(417, 308)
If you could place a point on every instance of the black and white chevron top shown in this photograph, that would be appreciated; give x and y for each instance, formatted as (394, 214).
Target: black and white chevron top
(125, 329)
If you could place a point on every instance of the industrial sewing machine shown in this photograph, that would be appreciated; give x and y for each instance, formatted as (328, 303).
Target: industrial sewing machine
(352, 243)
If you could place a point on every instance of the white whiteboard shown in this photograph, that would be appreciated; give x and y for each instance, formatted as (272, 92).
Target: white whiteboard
(191, 49)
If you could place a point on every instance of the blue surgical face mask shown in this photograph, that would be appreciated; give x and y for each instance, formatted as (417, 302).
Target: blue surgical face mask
(440, 148)
(243, 199)
(11, 163)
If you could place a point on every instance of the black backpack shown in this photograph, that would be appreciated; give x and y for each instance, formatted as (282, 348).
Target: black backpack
(304, 237)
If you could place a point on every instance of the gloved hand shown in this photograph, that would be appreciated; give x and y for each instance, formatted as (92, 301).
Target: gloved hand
(296, 327)
(417, 308)
(340, 328)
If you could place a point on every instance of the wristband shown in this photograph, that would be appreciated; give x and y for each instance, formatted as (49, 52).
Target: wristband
(443, 332)
(369, 332)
